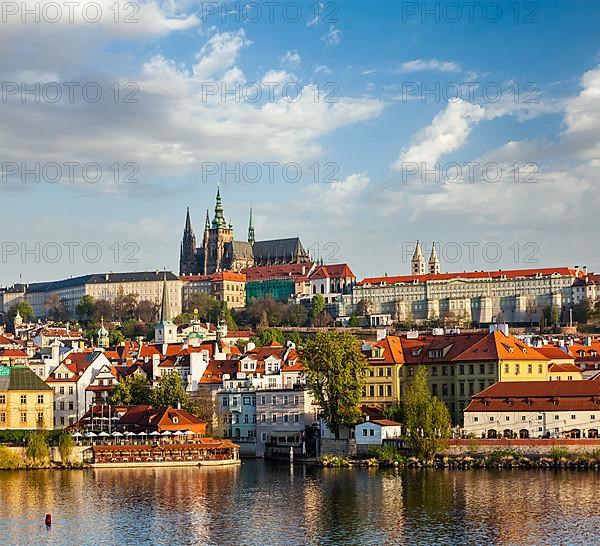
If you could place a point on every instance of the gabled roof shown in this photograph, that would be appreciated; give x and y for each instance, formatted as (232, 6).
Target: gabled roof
(335, 271)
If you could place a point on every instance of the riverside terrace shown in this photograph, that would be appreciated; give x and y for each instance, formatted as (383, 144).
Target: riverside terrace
(202, 452)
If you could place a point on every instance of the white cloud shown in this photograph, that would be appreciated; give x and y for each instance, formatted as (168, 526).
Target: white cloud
(447, 133)
(333, 36)
(291, 58)
(322, 69)
(419, 65)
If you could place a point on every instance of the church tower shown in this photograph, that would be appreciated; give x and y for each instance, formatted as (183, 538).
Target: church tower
(418, 261)
(251, 229)
(219, 235)
(187, 253)
(165, 331)
(434, 262)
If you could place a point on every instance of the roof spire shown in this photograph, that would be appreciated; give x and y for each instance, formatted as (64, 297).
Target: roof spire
(251, 229)
(164, 309)
(219, 219)
(188, 221)
(207, 222)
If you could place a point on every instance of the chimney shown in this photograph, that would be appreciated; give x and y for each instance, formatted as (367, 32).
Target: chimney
(585, 269)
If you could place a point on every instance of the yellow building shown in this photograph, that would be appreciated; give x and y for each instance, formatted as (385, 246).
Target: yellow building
(382, 382)
(26, 402)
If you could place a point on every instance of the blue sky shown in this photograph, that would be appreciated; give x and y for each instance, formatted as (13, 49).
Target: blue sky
(366, 214)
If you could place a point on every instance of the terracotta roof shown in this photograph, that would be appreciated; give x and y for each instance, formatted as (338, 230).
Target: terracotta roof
(215, 370)
(268, 272)
(509, 274)
(385, 423)
(12, 352)
(553, 353)
(497, 346)
(563, 368)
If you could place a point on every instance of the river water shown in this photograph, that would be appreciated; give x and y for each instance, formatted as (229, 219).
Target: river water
(272, 503)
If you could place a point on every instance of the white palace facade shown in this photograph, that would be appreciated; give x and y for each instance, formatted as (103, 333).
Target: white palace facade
(514, 296)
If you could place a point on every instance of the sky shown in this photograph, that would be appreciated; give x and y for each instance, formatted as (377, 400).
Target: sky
(361, 127)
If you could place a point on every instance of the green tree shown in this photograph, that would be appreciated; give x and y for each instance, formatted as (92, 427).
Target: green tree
(65, 446)
(132, 390)
(86, 309)
(103, 308)
(268, 335)
(583, 311)
(24, 308)
(170, 392)
(318, 306)
(335, 375)
(354, 322)
(426, 418)
(116, 337)
(55, 307)
(295, 338)
(551, 315)
(37, 446)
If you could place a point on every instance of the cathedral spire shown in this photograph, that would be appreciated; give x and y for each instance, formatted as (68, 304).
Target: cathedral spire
(418, 261)
(207, 222)
(434, 262)
(251, 229)
(219, 219)
(188, 221)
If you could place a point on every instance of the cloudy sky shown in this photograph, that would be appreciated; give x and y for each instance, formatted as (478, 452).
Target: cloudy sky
(359, 126)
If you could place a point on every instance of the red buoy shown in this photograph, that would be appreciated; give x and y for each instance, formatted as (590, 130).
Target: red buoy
(48, 519)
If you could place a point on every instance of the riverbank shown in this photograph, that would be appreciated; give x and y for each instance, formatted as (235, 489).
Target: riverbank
(501, 458)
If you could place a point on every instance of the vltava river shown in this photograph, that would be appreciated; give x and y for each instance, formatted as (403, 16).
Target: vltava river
(271, 503)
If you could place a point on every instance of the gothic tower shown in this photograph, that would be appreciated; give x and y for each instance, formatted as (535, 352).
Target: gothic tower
(434, 262)
(219, 234)
(418, 262)
(251, 229)
(187, 252)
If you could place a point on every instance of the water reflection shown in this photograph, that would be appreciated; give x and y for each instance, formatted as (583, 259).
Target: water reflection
(270, 503)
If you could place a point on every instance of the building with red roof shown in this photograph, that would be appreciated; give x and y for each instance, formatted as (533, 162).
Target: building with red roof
(483, 297)
(538, 409)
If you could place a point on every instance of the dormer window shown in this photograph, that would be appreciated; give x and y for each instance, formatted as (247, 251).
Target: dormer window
(175, 420)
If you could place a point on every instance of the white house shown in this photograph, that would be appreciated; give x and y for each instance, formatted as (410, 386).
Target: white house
(373, 433)
(535, 409)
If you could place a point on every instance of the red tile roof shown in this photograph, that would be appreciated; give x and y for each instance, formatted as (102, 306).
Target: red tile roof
(538, 396)
(436, 277)
(336, 271)
(268, 272)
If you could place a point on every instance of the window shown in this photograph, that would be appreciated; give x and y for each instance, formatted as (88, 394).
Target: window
(389, 390)
(507, 418)
(371, 390)
(434, 389)
(364, 431)
(471, 389)
(70, 390)
(71, 408)
(444, 370)
(540, 369)
(246, 401)
(471, 369)
(234, 402)
(461, 388)
(491, 368)
(506, 368)
(2, 399)
(296, 418)
(481, 368)
(461, 369)
(263, 399)
(23, 399)
(573, 417)
(274, 418)
(540, 417)
(434, 370)
(522, 418)
(264, 436)
(444, 389)
(263, 418)
(380, 390)
(62, 406)
(40, 418)
(23, 417)
(246, 419)
(40, 399)
(592, 417)
(491, 419)
(274, 400)
(475, 419)
(530, 368)
(286, 418)
(371, 432)
(296, 400)
(285, 400)
(225, 401)
(517, 369)
(556, 417)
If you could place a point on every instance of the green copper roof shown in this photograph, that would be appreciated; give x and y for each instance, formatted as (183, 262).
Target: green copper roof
(20, 378)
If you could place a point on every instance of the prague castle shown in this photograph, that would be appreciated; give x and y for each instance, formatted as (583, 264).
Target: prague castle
(220, 252)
